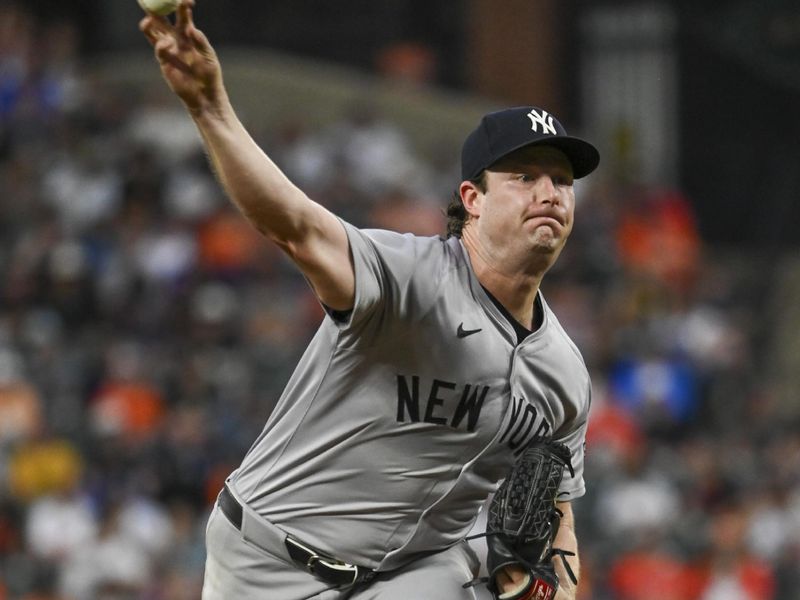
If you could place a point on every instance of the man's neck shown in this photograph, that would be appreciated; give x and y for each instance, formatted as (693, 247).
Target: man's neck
(516, 291)
(517, 299)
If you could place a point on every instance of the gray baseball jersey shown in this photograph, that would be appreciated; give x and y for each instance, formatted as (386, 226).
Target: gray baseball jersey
(399, 421)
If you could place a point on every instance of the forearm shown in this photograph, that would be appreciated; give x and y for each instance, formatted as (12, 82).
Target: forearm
(310, 235)
(274, 205)
(567, 540)
(254, 183)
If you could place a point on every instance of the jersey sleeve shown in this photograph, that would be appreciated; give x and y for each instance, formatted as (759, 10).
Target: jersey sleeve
(395, 274)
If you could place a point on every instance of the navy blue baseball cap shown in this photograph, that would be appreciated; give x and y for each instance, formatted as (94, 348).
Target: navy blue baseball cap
(502, 132)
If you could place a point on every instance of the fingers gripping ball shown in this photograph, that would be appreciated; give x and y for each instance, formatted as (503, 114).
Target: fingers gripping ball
(523, 521)
(160, 7)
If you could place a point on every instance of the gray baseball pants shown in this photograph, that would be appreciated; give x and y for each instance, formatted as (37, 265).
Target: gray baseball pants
(255, 565)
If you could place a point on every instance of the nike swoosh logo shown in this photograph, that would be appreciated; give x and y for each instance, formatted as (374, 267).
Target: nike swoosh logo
(462, 333)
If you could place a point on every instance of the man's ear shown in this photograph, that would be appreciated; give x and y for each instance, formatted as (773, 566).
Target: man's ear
(471, 198)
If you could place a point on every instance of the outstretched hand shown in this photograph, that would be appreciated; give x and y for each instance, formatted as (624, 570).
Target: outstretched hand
(187, 60)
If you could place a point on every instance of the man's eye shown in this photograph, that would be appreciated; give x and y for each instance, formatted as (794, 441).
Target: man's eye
(524, 178)
(562, 181)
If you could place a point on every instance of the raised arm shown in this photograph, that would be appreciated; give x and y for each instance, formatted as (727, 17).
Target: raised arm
(310, 234)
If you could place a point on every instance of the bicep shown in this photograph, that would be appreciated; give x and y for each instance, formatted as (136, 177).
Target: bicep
(321, 251)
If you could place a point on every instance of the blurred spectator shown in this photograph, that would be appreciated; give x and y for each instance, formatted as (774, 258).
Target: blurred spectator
(58, 524)
(158, 123)
(127, 404)
(20, 405)
(649, 575)
(377, 155)
(729, 571)
(661, 392)
(228, 245)
(43, 466)
(400, 211)
(307, 157)
(641, 504)
(112, 565)
(657, 235)
(614, 433)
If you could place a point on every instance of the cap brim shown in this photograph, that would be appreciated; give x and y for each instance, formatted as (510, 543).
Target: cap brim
(583, 156)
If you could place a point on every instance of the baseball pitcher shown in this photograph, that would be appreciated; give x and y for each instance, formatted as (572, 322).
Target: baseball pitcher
(439, 373)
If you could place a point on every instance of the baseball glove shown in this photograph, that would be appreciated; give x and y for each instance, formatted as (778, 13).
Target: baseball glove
(523, 520)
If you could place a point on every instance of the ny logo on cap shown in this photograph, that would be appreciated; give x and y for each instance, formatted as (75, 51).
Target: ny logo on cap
(545, 120)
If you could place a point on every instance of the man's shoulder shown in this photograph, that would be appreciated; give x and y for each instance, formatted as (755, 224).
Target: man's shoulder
(393, 245)
(392, 238)
(408, 271)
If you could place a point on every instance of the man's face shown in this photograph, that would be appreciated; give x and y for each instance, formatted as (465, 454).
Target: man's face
(528, 206)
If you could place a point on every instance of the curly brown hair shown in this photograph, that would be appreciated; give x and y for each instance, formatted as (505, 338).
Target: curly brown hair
(456, 213)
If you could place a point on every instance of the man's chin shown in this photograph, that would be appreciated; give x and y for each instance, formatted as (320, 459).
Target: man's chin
(545, 241)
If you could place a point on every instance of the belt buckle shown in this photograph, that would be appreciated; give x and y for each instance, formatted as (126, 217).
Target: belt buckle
(310, 562)
(337, 566)
(329, 563)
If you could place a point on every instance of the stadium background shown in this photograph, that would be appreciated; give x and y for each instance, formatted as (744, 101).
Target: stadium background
(146, 331)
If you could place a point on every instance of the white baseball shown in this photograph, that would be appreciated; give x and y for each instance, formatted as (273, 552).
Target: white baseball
(160, 7)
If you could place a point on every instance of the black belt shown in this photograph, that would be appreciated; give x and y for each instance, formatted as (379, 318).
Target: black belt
(327, 568)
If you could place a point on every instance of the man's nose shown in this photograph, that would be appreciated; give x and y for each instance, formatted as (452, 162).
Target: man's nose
(546, 191)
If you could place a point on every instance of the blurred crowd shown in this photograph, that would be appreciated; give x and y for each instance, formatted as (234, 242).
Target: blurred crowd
(146, 332)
